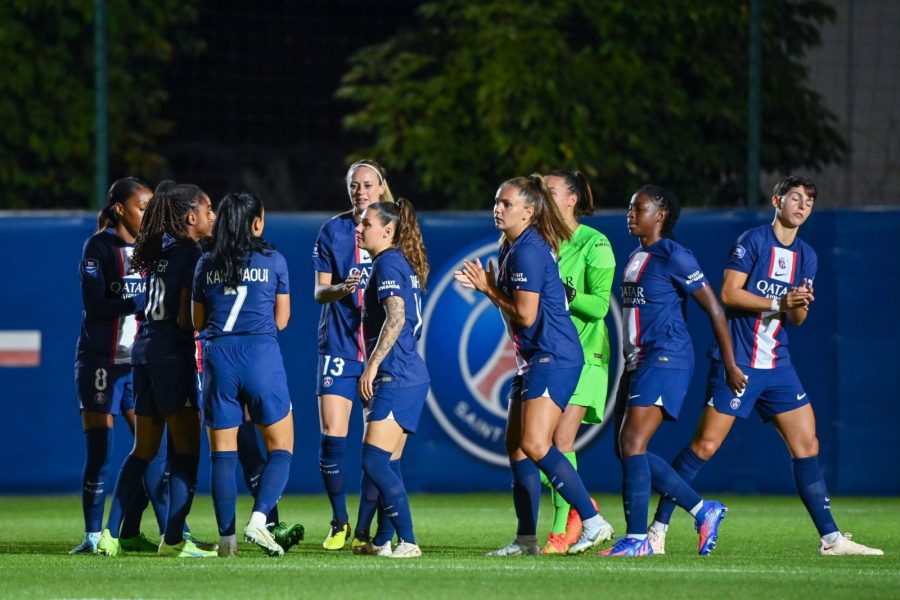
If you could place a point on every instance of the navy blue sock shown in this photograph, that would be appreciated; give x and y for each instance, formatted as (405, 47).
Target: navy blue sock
(131, 520)
(687, 464)
(814, 493)
(156, 485)
(386, 529)
(636, 493)
(253, 463)
(273, 481)
(567, 482)
(127, 485)
(224, 489)
(526, 487)
(99, 441)
(376, 463)
(331, 464)
(368, 505)
(669, 484)
(182, 482)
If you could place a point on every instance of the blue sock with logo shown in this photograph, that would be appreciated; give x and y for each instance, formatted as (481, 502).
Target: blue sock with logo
(669, 484)
(386, 530)
(331, 458)
(687, 464)
(566, 481)
(395, 502)
(224, 489)
(814, 493)
(99, 442)
(253, 463)
(182, 483)
(273, 480)
(636, 493)
(128, 485)
(526, 488)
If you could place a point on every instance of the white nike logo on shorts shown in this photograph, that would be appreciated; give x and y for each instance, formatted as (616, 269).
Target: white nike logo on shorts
(801, 396)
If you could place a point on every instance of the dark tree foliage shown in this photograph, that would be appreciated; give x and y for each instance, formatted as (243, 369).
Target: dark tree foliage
(628, 92)
(47, 94)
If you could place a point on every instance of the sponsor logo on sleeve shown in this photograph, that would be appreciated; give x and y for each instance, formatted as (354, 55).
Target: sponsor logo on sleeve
(91, 266)
(694, 277)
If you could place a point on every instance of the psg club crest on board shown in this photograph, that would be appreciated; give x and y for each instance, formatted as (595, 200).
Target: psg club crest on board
(472, 361)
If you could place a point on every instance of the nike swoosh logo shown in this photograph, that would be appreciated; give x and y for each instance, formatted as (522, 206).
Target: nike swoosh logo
(632, 397)
(801, 396)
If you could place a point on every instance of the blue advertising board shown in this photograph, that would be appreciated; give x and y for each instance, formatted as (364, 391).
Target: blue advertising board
(840, 354)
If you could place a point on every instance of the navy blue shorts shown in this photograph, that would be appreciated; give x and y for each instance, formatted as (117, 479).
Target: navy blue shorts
(538, 381)
(770, 391)
(666, 388)
(402, 404)
(106, 389)
(164, 389)
(339, 377)
(241, 371)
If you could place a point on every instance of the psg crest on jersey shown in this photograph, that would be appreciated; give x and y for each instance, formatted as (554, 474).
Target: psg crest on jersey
(472, 362)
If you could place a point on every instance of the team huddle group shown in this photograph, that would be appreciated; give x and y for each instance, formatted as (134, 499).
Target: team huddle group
(182, 306)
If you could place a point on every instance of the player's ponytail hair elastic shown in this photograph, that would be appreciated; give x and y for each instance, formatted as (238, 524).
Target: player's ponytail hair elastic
(666, 200)
(577, 183)
(119, 192)
(547, 219)
(387, 196)
(165, 214)
(233, 238)
(407, 235)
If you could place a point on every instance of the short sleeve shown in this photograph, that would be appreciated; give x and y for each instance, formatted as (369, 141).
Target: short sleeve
(390, 279)
(283, 285)
(526, 267)
(685, 271)
(323, 251)
(92, 259)
(743, 254)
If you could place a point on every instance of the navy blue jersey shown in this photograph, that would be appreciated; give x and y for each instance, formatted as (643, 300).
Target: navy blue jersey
(247, 309)
(528, 264)
(336, 252)
(655, 286)
(159, 338)
(111, 296)
(760, 340)
(392, 275)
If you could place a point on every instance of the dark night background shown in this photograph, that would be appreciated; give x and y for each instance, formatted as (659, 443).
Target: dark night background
(260, 98)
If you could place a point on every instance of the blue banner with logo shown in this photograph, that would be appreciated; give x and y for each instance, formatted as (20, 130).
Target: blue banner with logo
(839, 354)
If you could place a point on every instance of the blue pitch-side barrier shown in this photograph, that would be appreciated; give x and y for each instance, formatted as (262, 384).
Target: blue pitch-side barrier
(843, 353)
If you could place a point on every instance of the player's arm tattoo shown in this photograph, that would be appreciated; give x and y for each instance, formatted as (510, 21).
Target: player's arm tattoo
(395, 315)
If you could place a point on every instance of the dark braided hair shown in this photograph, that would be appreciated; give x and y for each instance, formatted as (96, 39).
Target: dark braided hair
(119, 192)
(165, 214)
(233, 238)
(577, 183)
(666, 200)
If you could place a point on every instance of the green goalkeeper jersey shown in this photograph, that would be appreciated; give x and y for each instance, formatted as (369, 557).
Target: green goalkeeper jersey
(586, 263)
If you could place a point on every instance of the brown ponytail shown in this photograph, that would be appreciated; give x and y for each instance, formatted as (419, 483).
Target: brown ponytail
(547, 219)
(407, 235)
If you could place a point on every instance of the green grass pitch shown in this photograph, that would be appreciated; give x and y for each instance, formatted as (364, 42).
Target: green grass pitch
(767, 549)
